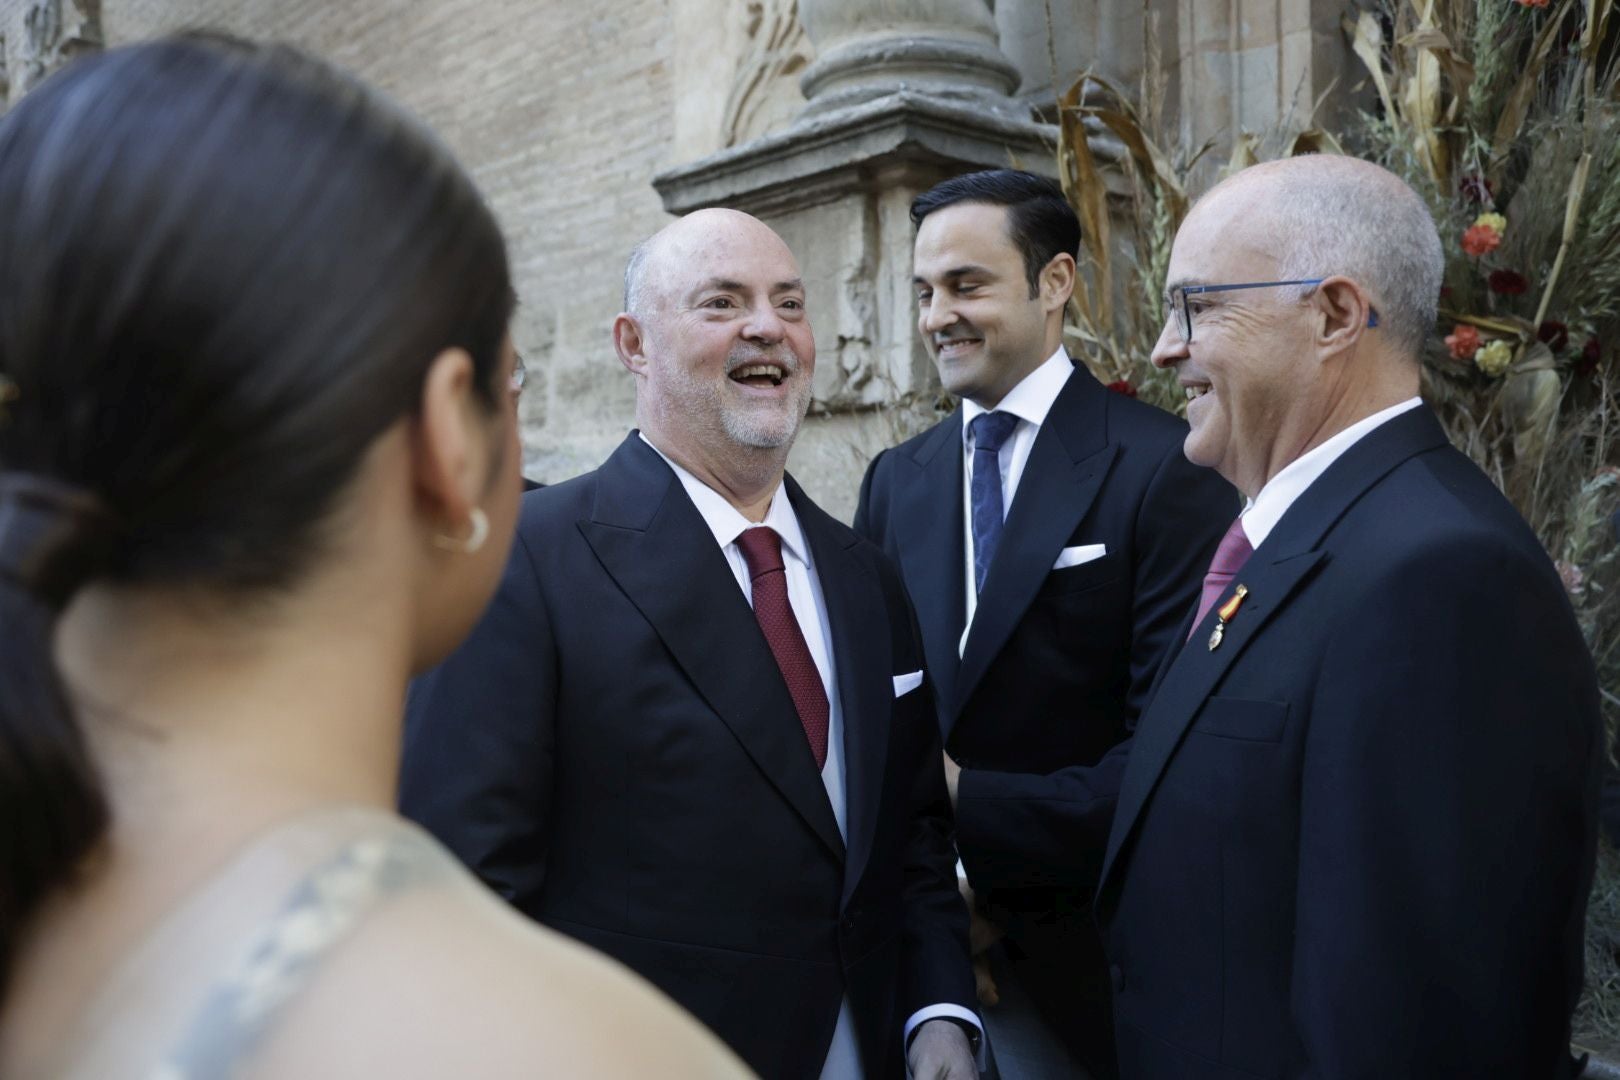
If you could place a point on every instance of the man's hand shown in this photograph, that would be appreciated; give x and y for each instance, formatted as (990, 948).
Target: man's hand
(953, 774)
(940, 1051)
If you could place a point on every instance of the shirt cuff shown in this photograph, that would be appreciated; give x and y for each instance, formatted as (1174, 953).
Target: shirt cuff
(947, 1011)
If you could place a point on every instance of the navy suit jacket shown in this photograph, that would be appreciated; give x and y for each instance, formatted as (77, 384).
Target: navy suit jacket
(1058, 664)
(615, 751)
(1355, 840)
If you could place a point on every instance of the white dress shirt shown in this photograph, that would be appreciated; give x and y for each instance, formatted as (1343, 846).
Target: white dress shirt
(810, 609)
(1030, 401)
(1262, 512)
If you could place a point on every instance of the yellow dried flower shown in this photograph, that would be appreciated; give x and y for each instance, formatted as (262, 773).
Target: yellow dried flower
(1494, 358)
(1494, 222)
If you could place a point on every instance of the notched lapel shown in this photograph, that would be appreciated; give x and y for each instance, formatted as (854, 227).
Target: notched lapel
(1283, 563)
(1066, 468)
(673, 572)
(858, 623)
(1053, 496)
(927, 521)
(1192, 674)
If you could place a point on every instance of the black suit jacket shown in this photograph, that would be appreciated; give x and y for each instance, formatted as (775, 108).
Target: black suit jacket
(1059, 662)
(1355, 839)
(615, 751)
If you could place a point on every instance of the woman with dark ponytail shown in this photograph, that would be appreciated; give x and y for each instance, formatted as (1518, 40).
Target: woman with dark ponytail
(258, 465)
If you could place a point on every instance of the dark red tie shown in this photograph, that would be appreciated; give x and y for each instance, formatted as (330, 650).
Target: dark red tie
(1230, 555)
(762, 549)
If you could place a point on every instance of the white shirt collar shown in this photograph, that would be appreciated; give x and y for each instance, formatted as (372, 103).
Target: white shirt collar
(727, 522)
(1263, 512)
(1032, 398)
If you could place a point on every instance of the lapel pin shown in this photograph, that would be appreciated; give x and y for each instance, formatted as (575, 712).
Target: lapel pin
(1225, 615)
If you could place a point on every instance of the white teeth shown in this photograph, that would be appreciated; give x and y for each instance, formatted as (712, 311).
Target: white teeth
(769, 371)
(1195, 391)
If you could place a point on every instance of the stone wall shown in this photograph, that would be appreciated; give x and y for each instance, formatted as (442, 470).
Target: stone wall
(564, 112)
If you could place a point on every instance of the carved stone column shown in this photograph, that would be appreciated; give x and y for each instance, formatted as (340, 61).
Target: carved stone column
(900, 95)
(946, 49)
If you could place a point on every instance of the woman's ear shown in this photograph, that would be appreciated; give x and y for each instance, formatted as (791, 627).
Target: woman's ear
(451, 449)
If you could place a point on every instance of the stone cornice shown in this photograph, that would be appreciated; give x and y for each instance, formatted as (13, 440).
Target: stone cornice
(825, 155)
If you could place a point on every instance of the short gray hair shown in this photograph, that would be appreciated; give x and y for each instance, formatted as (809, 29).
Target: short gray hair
(635, 283)
(1341, 216)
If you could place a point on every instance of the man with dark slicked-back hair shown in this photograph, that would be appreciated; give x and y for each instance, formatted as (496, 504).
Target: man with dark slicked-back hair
(1051, 535)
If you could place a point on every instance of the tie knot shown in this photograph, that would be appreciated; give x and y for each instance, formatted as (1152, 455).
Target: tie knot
(1233, 550)
(991, 429)
(761, 549)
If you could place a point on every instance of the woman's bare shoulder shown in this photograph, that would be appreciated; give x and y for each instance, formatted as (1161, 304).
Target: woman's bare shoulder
(447, 979)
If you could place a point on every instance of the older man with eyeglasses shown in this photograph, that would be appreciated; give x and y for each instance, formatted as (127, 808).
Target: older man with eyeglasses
(1355, 833)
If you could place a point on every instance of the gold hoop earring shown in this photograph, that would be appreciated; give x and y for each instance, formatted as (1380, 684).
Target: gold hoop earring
(475, 539)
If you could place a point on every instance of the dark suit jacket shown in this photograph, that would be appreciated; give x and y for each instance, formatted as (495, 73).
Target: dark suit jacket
(1355, 840)
(1058, 663)
(615, 751)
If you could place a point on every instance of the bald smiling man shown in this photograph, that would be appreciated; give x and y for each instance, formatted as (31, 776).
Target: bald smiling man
(693, 730)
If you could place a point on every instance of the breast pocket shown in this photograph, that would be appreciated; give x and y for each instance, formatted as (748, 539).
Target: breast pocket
(1088, 575)
(1242, 719)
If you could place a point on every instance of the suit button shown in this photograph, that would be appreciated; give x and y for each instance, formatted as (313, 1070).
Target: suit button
(1117, 974)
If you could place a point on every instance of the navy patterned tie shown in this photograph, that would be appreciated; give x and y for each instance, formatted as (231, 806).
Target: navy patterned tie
(990, 430)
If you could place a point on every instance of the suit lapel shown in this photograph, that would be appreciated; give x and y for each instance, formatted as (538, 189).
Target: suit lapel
(927, 522)
(1275, 572)
(656, 546)
(1066, 468)
(858, 624)
(1191, 674)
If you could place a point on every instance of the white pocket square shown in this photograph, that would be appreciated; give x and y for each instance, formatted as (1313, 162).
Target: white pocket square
(1080, 553)
(905, 684)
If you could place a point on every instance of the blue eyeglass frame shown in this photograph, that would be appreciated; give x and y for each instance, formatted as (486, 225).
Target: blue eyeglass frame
(1185, 322)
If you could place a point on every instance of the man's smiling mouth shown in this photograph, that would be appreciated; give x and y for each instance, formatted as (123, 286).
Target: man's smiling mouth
(764, 374)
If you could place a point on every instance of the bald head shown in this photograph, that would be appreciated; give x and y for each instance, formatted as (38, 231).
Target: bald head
(651, 269)
(716, 333)
(1326, 214)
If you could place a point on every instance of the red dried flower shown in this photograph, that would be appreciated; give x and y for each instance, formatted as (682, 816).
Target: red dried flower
(1463, 341)
(1554, 334)
(1480, 240)
(1476, 189)
(1531, 3)
(1123, 386)
(1591, 353)
(1508, 282)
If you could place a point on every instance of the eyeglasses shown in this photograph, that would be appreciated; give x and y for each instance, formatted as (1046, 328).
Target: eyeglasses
(520, 374)
(1177, 304)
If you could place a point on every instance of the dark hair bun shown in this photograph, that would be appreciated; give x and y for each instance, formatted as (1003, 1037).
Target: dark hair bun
(53, 537)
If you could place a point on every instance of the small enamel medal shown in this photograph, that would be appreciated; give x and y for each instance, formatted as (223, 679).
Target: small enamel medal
(1225, 615)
